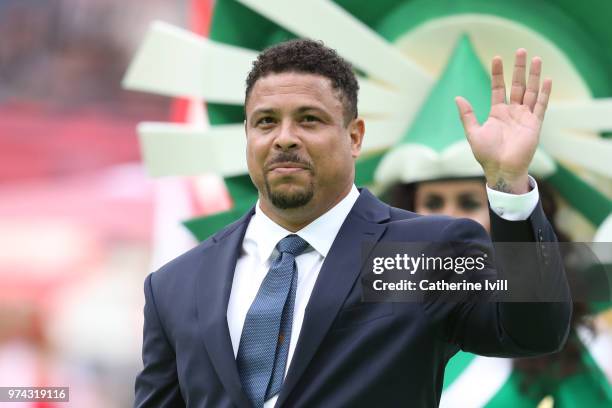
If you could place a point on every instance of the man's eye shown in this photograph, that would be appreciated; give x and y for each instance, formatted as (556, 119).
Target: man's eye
(310, 118)
(266, 120)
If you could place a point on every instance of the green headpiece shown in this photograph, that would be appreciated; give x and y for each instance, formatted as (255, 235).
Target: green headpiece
(435, 146)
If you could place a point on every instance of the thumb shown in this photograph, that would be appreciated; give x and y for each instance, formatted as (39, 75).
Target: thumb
(466, 114)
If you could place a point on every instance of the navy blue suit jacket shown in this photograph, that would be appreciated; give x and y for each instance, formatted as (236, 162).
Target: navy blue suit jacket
(350, 353)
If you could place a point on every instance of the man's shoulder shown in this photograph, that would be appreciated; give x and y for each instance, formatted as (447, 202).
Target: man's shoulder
(190, 261)
(432, 227)
(404, 218)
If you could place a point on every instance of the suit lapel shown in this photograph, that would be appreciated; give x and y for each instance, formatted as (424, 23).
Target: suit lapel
(340, 269)
(213, 289)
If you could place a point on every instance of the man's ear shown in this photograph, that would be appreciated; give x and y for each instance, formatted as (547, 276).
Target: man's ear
(356, 132)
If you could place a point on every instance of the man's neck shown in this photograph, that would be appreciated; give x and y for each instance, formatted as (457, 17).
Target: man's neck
(294, 219)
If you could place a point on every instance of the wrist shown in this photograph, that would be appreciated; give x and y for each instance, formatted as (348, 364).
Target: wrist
(509, 183)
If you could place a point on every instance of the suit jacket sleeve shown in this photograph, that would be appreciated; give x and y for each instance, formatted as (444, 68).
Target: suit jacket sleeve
(512, 329)
(157, 384)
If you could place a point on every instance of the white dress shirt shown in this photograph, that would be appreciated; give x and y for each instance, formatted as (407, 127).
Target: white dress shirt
(514, 207)
(259, 249)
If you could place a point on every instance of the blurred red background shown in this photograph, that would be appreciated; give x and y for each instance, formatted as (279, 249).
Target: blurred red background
(78, 215)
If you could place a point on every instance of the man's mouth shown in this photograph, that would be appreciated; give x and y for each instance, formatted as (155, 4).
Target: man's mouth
(286, 168)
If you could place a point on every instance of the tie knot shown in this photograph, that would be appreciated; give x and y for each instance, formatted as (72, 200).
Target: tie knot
(292, 244)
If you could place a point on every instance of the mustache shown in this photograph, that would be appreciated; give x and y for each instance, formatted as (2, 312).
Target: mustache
(288, 158)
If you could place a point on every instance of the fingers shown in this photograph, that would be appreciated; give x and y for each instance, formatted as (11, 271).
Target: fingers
(466, 114)
(518, 77)
(542, 103)
(533, 84)
(520, 93)
(498, 86)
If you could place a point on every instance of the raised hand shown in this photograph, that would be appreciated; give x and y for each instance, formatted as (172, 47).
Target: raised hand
(504, 145)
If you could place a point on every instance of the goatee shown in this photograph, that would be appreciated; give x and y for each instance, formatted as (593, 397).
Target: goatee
(286, 201)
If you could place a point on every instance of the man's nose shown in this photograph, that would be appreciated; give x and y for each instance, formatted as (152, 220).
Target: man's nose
(287, 138)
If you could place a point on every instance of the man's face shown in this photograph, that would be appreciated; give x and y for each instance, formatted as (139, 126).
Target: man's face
(300, 152)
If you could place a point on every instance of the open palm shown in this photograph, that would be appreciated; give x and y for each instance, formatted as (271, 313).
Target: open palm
(505, 143)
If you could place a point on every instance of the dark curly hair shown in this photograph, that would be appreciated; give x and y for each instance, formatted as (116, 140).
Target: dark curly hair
(308, 57)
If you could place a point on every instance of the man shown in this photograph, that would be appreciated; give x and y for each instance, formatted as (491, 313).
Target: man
(269, 311)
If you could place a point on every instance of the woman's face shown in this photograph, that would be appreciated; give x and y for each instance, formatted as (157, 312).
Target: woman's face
(457, 198)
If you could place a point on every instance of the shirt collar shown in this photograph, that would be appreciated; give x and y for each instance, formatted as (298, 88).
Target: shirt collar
(263, 233)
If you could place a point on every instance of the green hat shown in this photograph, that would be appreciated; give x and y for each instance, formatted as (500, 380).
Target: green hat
(435, 146)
